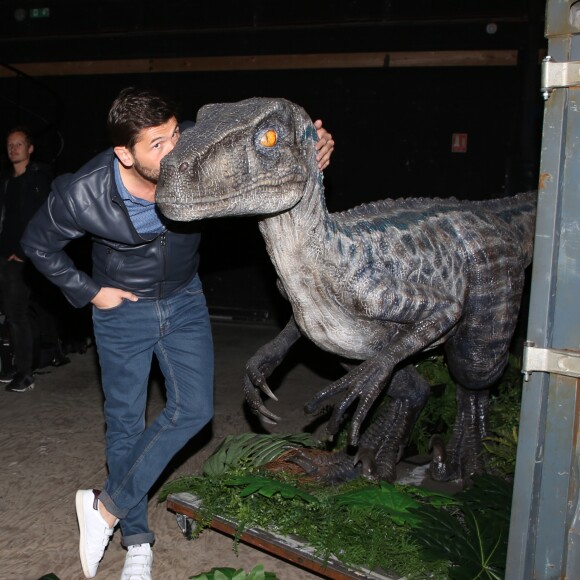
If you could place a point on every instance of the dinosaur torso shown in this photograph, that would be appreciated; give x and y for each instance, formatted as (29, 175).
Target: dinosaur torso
(337, 288)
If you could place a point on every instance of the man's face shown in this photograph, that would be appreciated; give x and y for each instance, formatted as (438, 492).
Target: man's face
(152, 145)
(18, 147)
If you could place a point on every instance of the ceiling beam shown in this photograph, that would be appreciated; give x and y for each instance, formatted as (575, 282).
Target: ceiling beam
(464, 58)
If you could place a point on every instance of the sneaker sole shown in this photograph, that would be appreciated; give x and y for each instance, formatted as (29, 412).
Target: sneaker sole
(23, 390)
(81, 522)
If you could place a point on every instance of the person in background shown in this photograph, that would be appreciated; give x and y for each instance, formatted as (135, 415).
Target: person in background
(23, 191)
(147, 300)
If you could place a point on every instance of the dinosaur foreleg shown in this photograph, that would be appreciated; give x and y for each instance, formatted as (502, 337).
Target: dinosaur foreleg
(422, 315)
(365, 382)
(382, 442)
(260, 367)
(463, 456)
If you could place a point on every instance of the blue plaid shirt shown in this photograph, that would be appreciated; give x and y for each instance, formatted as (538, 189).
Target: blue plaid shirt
(144, 214)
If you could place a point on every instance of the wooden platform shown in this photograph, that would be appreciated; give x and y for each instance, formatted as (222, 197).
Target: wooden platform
(186, 508)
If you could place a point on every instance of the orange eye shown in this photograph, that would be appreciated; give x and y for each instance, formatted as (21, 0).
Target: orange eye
(269, 138)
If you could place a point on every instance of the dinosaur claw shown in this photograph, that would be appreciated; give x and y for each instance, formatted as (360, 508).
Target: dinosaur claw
(439, 469)
(311, 407)
(366, 458)
(268, 416)
(437, 446)
(266, 390)
(353, 437)
(268, 421)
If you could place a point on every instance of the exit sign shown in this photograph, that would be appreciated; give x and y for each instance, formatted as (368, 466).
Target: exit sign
(39, 12)
(459, 143)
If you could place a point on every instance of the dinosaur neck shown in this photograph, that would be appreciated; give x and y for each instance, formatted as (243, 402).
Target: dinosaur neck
(290, 236)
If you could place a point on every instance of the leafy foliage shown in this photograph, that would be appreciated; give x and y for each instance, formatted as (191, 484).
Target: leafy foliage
(504, 416)
(411, 531)
(473, 534)
(502, 449)
(269, 487)
(396, 504)
(439, 412)
(252, 449)
(257, 573)
(357, 529)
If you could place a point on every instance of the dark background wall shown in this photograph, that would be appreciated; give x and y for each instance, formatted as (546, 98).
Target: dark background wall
(393, 125)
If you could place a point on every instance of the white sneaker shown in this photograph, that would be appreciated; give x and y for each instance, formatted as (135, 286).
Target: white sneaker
(95, 533)
(138, 563)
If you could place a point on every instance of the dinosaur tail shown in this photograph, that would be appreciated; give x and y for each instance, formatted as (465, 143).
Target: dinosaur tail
(519, 211)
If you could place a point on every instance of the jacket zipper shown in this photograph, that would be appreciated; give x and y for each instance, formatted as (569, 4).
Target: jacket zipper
(163, 243)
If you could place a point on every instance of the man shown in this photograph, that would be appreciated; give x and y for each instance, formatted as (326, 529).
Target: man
(147, 299)
(23, 192)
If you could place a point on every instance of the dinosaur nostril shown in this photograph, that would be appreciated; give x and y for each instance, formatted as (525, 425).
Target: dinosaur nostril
(183, 167)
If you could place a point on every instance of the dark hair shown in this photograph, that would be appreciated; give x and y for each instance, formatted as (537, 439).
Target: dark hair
(136, 109)
(22, 129)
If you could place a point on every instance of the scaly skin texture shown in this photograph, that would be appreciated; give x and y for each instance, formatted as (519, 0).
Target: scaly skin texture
(376, 284)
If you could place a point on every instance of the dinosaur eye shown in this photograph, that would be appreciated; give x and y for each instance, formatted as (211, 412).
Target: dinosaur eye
(269, 138)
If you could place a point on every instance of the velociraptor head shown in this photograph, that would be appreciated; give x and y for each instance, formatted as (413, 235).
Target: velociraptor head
(253, 157)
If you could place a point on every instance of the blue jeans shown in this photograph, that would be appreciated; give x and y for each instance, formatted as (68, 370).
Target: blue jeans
(177, 330)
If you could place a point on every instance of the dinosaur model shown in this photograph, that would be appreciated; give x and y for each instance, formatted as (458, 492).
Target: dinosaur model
(376, 285)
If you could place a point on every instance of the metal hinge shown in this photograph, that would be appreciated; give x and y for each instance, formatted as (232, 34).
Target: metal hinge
(550, 360)
(558, 75)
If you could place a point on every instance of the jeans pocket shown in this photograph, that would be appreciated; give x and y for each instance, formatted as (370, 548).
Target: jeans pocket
(194, 287)
(112, 308)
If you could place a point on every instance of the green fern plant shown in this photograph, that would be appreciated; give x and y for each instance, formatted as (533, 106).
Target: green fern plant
(257, 573)
(397, 502)
(501, 449)
(439, 412)
(471, 534)
(268, 487)
(252, 449)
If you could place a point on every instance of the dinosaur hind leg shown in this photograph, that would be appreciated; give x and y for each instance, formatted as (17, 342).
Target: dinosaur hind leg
(463, 455)
(477, 355)
(381, 443)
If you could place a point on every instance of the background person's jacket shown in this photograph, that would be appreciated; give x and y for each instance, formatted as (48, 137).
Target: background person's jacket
(150, 266)
(19, 202)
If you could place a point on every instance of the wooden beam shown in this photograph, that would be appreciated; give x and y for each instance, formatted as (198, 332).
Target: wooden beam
(468, 58)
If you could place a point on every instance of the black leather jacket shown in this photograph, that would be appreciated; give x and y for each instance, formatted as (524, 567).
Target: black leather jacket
(19, 199)
(87, 201)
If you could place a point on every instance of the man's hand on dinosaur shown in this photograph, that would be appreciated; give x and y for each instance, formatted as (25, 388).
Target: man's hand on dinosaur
(324, 145)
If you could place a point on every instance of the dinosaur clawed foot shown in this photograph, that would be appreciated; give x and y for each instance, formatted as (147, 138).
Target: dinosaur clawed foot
(464, 455)
(256, 404)
(335, 467)
(321, 466)
(456, 463)
(440, 469)
(378, 466)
